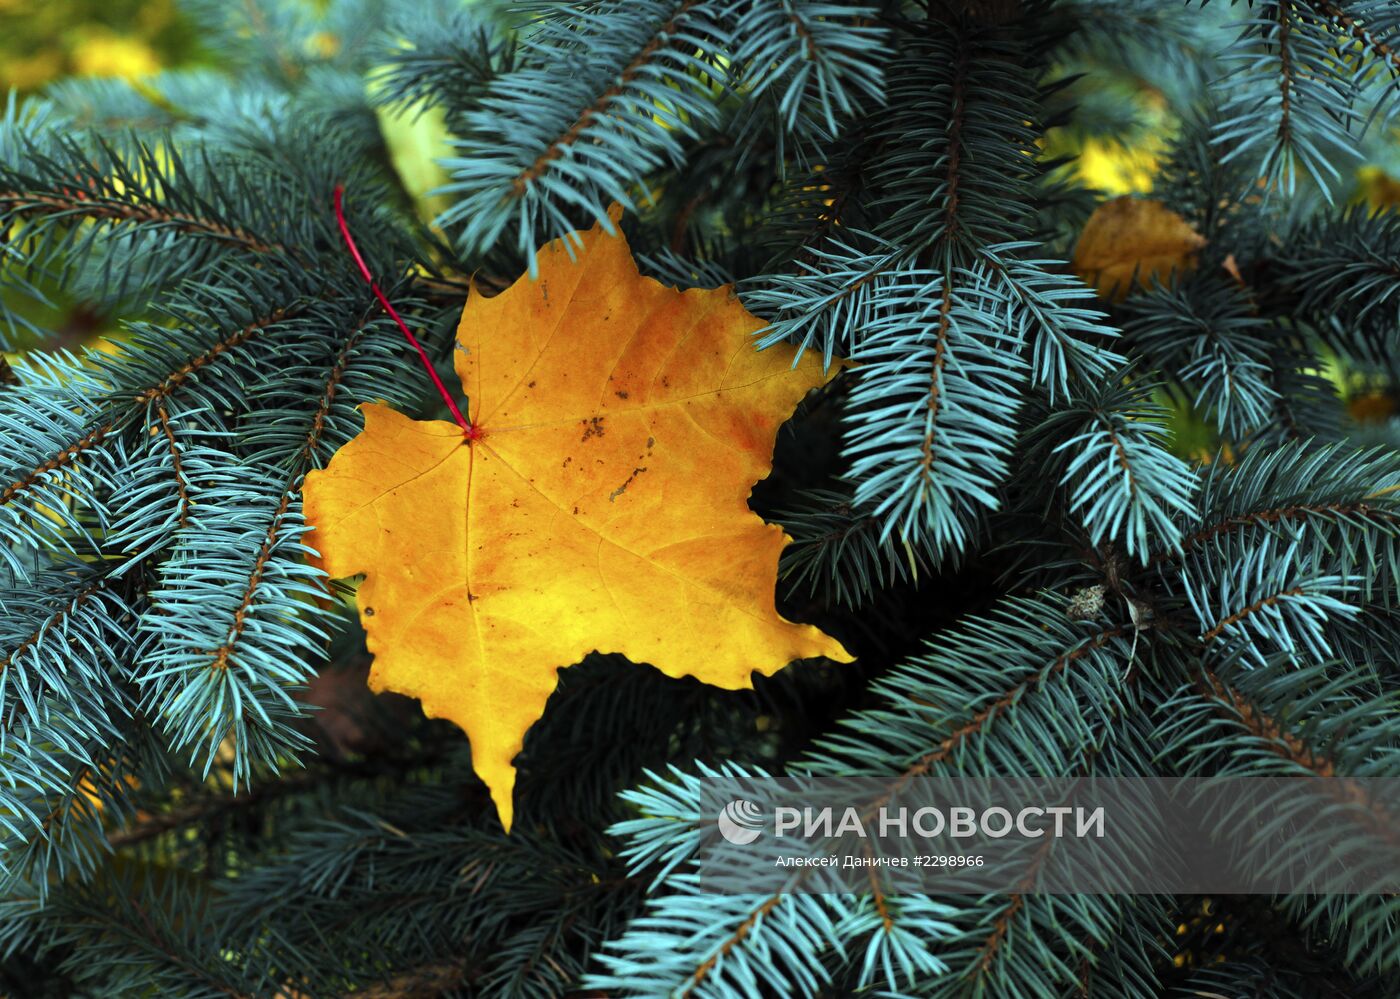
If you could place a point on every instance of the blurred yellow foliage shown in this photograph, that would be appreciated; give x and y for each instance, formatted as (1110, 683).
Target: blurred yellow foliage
(43, 40)
(1377, 188)
(1116, 168)
(103, 53)
(416, 141)
(28, 72)
(323, 45)
(1205, 456)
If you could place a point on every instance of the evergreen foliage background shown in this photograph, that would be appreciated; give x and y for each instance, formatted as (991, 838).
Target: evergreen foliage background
(1155, 535)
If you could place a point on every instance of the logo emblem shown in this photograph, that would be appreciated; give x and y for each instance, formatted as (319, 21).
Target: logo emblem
(741, 822)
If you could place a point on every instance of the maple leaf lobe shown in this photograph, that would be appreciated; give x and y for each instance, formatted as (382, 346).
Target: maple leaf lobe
(603, 506)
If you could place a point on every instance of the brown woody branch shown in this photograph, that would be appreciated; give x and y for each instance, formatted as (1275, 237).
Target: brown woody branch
(181, 483)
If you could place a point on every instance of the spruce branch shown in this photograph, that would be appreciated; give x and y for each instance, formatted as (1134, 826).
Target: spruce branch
(68, 454)
(181, 482)
(1289, 100)
(991, 947)
(1360, 32)
(1265, 728)
(663, 36)
(233, 340)
(54, 620)
(71, 204)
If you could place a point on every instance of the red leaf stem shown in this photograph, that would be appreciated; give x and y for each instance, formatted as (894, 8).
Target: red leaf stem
(469, 431)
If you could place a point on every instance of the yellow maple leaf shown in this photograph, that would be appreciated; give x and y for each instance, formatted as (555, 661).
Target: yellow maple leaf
(603, 507)
(1130, 240)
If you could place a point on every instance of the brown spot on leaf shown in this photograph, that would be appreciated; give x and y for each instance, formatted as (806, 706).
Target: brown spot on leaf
(592, 427)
